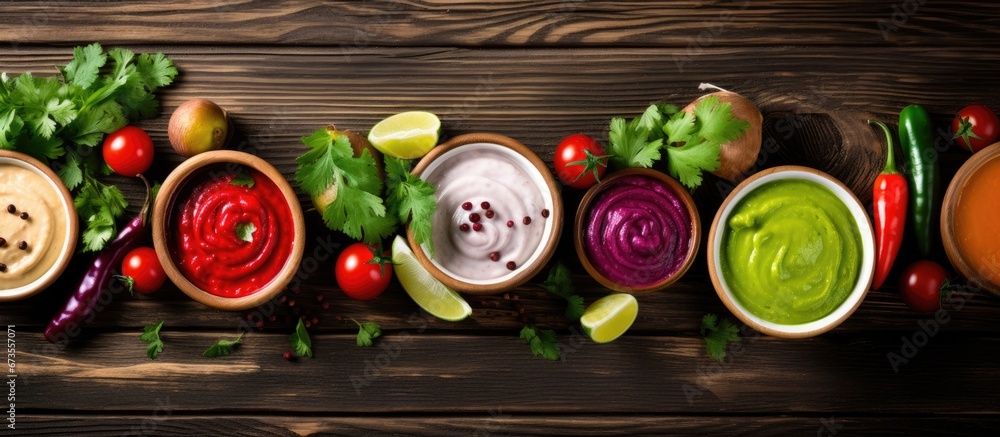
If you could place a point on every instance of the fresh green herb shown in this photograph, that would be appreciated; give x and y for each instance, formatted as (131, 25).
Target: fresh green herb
(357, 210)
(541, 341)
(244, 231)
(222, 347)
(693, 141)
(301, 343)
(367, 332)
(410, 199)
(151, 335)
(560, 283)
(60, 119)
(718, 335)
(242, 179)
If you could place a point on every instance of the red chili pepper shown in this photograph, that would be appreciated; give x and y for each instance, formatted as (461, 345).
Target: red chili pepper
(890, 196)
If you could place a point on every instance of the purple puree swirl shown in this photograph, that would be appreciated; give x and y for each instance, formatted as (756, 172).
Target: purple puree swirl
(639, 231)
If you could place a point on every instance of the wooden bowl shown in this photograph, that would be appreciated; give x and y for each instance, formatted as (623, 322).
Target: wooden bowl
(952, 197)
(68, 241)
(580, 227)
(865, 274)
(165, 206)
(536, 168)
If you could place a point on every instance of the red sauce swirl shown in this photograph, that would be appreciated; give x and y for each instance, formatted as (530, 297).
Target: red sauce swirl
(210, 252)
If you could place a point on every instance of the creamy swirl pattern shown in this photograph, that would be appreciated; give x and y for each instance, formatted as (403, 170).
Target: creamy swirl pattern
(489, 216)
(638, 232)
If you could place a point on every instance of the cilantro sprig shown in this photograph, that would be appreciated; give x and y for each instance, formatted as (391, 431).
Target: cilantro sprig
(151, 335)
(718, 335)
(367, 333)
(692, 141)
(560, 283)
(358, 209)
(410, 199)
(60, 119)
(301, 343)
(222, 347)
(541, 341)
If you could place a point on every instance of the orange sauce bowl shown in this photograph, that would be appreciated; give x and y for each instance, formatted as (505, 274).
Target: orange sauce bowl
(970, 234)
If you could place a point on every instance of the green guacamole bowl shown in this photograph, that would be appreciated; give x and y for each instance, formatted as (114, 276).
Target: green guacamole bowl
(791, 252)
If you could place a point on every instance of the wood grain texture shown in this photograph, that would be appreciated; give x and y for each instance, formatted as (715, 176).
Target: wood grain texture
(498, 422)
(689, 24)
(408, 372)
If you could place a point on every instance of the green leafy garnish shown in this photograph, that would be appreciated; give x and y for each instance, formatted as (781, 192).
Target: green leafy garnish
(222, 347)
(151, 335)
(410, 199)
(244, 231)
(128, 281)
(541, 341)
(560, 283)
(301, 343)
(367, 332)
(60, 119)
(242, 179)
(965, 130)
(718, 335)
(357, 210)
(692, 141)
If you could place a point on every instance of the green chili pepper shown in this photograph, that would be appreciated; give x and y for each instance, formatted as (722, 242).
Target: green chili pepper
(922, 171)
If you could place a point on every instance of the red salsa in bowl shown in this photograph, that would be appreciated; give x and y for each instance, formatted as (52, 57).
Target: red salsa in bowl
(228, 230)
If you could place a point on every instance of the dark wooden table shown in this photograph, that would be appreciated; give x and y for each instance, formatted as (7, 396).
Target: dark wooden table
(535, 71)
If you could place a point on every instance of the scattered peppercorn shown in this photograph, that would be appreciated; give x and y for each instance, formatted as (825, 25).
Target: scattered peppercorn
(474, 217)
(511, 265)
(464, 227)
(3, 267)
(291, 302)
(326, 305)
(319, 298)
(485, 205)
(527, 220)
(545, 213)
(510, 223)
(477, 227)
(489, 213)
(11, 208)
(494, 256)
(467, 206)
(24, 216)
(3, 242)
(287, 355)
(22, 245)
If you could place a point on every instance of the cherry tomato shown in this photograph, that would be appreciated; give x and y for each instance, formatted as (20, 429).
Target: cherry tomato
(143, 267)
(922, 284)
(976, 126)
(580, 161)
(361, 274)
(128, 151)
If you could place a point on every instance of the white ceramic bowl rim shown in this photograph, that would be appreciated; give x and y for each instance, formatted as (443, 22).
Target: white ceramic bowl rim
(535, 176)
(867, 244)
(67, 239)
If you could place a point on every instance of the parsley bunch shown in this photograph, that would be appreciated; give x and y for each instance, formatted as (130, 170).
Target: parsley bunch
(693, 141)
(60, 119)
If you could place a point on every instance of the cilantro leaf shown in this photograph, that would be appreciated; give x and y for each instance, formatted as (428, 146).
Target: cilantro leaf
(688, 161)
(71, 173)
(301, 343)
(629, 144)
(244, 231)
(696, 139)
(716, 123)
(541, 341)
(151, 335)
(358, 209)
(560, 283)
(156, 70)
(242, 179)
(222, 347)
(98, 205)
(87, 61)
(367, 332)
(411, 199)
(10, 128)
(718, 335)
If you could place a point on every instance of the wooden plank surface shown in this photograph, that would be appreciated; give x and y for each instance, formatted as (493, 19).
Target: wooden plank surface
(535, 71)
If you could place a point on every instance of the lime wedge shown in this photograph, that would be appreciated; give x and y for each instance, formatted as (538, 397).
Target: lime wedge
(609, 317)
(407, 135)
(433, 296)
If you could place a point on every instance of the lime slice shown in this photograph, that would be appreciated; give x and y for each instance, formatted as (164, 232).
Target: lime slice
(406, 135)
(433, 296)
(609, 317)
